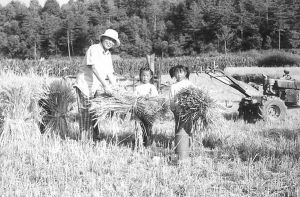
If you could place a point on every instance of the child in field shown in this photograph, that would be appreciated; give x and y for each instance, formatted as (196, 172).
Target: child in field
(182, 129)
(146, 89)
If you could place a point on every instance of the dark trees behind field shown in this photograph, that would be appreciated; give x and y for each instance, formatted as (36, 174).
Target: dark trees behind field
(164, 27)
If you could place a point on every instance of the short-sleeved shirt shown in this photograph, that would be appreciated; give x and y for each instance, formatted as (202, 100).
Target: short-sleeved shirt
(86, 80)
(146, 89)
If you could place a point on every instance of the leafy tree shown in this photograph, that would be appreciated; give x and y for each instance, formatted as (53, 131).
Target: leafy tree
(49, 33)
(68, 20)
(35, 8)
(74, 28)
(175, 49)
(268, 43)
(155, 14)
(254, 42)
(14, 15)
(11, 27)
(51, 7)
(32, 28)
(95, 13)
(294, 39)
(194, 25)
(225, 34)
(15, 47)
(31, 32)
(186, 27)
(3, 44)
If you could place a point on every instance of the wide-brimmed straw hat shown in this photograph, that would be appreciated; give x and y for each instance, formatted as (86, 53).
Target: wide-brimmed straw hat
(113, 34)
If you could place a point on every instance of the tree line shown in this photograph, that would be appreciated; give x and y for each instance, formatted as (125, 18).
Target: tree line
(164, 27)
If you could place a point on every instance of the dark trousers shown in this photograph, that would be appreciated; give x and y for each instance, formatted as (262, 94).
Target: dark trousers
(87, 124)
(180, 124)
(147, 134)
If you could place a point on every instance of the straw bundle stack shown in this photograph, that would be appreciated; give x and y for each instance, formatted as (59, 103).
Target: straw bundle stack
(58, 108)
(148, 109)
(195, 105)
(122, 102)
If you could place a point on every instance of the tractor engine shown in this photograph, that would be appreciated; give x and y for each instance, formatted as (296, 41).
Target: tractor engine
(287, 90)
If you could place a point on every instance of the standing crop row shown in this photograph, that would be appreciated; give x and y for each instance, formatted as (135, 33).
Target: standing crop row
(128, 67)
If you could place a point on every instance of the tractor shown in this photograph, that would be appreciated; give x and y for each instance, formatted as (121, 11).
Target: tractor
(269, 104)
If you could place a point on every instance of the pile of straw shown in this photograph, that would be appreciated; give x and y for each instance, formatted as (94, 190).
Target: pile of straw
(58, 108)
(122, 102)
(149, 109)
(193, 104)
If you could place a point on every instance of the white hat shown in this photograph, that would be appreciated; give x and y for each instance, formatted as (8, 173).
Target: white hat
(113, 34)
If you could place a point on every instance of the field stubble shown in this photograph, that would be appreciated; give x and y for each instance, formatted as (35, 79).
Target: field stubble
(232, 159)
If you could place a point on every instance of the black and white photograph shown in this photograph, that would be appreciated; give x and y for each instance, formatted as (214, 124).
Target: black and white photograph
(150, 98)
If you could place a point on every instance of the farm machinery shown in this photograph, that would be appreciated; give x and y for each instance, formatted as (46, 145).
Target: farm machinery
(269, 104)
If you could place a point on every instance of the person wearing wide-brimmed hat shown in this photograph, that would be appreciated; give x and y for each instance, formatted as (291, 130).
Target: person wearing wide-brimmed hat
(96, 68)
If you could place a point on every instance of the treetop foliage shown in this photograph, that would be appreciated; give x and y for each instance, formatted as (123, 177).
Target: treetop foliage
(164, 27)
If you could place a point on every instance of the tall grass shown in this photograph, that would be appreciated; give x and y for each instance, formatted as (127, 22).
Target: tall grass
(126, 67)
(130, 66)
(19, 107)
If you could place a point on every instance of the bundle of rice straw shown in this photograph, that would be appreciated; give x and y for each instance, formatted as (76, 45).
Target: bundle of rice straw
(196, 105)
(144, 109)
(148, 109)
(58, 108)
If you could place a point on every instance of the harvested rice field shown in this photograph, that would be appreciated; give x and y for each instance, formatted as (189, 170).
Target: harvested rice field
(233, 158)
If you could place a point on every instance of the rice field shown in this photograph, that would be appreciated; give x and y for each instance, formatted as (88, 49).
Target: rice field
(231, 159)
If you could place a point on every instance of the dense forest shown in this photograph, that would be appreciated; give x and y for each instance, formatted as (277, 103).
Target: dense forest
(164, 27)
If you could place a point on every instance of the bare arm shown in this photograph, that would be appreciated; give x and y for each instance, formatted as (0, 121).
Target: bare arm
(112, 79)
(171, 98)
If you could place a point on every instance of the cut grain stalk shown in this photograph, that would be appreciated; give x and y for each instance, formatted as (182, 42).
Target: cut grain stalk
(193, 104)
(123, 102)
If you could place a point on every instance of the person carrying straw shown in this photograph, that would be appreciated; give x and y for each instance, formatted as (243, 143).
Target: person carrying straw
(91, 78)
(183, 129)
(148, 90)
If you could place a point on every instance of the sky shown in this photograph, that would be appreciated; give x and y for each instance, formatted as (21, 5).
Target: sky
(26, 2)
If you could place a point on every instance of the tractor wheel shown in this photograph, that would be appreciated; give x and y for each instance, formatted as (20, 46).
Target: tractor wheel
(273, 110)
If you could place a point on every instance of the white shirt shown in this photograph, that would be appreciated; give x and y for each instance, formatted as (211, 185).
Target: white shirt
(146, 89)
(86, 80)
